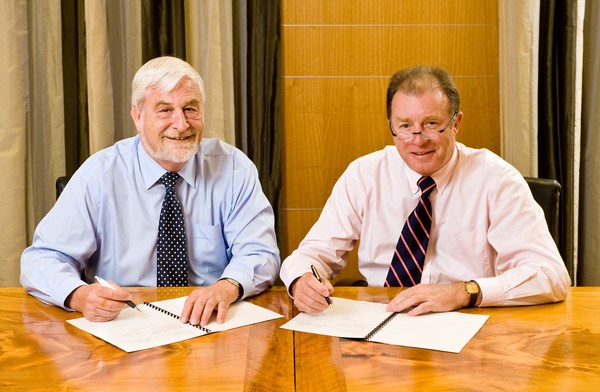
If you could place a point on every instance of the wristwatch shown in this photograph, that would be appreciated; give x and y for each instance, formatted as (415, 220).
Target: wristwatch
(473, 289)
(236, 284)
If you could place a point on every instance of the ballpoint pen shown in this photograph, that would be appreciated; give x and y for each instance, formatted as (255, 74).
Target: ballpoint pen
(316, 274)
(104, 283)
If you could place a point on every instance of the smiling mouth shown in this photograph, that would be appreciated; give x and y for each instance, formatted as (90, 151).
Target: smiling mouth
(179, 138)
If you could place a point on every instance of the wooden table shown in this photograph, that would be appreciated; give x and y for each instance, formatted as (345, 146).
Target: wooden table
(553, 347)
(40, 351)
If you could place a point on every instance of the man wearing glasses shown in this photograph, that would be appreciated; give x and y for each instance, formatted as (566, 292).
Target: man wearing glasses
(455, 225)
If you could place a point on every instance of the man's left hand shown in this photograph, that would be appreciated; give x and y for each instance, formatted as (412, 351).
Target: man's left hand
(430, 298)
(201, 303)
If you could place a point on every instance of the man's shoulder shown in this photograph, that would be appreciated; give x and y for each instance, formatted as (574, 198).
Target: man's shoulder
(482, 157)
(120, 152)
(378, 157)
(217, 148)
(481, 165)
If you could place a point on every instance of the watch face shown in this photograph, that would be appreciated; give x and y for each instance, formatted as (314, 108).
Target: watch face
(472, 288)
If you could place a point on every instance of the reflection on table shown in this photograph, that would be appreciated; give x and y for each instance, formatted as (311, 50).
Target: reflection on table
(534, 348)
(39, 350)
(554, 347)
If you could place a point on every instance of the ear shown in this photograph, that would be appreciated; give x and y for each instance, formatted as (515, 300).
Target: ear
(136, 115)
(457, 123)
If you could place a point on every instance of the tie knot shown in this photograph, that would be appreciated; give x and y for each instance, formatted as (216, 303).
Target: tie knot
(427, 184)
(169, 179)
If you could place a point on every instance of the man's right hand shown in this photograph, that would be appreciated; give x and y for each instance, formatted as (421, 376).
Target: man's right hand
(309, 294)
(98, 303)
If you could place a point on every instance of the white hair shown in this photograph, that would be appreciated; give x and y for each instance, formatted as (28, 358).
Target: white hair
(163, 73)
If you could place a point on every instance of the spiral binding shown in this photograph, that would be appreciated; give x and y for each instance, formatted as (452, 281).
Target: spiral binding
(175, 316)
(380, 326)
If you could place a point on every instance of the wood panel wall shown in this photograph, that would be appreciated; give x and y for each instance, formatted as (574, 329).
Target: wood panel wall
(338, 56)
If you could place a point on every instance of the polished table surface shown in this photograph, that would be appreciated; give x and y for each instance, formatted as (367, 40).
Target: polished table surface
(554, 347)
(40, 351)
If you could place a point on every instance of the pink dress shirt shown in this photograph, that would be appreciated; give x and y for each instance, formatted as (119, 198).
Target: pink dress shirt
(486, 227)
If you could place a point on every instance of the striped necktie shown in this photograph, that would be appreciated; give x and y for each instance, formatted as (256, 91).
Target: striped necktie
(409, 256)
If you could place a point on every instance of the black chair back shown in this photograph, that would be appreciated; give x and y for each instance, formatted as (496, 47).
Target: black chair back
(547, 194)
(61, 183)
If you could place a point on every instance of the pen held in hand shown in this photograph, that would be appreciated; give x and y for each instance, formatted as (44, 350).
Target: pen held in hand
(316, 274)
(104, 283)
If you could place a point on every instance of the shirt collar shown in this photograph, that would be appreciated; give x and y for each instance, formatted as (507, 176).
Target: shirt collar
(441, 177)
(152, 171)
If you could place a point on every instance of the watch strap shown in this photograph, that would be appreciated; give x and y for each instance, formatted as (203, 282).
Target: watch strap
(473, 294)
(236, 284)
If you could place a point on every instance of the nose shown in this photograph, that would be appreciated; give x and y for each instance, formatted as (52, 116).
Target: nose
(418, 139)
(179, 121)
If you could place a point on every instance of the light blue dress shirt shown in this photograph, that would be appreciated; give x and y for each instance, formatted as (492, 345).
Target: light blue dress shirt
(105, 223)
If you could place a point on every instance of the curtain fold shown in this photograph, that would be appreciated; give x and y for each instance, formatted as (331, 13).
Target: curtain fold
(125, 47)
(588, 269)
(45, 155)
(518, 28)
(74, 85)
(113, 53)
(559, 114)
(209, 48)
(240, 72)
(264, 96)
(99, 77)
(163, 29)
(13, 136)
(31, 129)
(68, 69)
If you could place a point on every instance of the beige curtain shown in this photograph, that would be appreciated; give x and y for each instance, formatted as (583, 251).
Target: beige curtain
(518, 27)
(125, 47)
(13, 136)
(209, 48)
(32, 151)
(31, 123)
(113, 44)
(114, 53)
(579, 214)
(99, 78)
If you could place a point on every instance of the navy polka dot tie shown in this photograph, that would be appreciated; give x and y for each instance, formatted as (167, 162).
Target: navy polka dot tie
(171, 248)
(409, 256)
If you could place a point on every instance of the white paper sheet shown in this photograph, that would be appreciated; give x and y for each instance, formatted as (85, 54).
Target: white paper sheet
(449, 331)
(133, 330)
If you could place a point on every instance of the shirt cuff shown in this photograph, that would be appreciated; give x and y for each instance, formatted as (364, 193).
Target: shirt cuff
(492, 293)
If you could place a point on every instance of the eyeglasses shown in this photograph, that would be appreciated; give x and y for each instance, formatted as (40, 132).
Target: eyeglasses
(429, 131)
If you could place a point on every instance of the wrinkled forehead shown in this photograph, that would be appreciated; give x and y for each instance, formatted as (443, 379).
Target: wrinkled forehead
(184, 92)
(165, 88)
(429, 102)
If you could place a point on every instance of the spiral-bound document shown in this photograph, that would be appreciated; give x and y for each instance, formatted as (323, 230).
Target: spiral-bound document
(157, 324)
(449, 331)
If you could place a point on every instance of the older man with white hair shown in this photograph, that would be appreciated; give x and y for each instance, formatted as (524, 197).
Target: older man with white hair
(164, 208)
